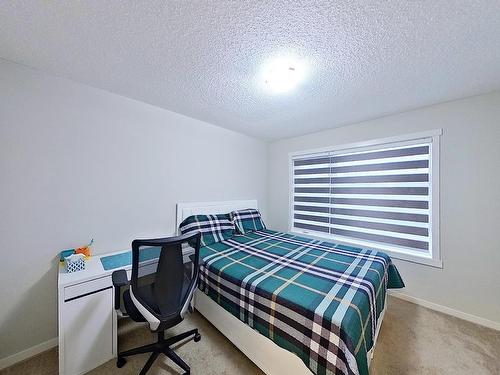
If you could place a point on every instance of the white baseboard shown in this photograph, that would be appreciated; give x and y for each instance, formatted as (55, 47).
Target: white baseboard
(27, 353)
(447, 310)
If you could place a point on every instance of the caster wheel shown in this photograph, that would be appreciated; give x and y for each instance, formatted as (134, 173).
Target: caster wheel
(197, 337)
(190, 309)
(120, 362)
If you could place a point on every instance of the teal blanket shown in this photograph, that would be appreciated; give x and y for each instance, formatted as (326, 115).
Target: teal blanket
(316, 299)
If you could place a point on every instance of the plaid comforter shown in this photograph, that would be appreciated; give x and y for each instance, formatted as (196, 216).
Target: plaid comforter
(316, 299)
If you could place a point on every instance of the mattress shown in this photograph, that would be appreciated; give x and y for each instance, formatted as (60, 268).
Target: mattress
(318, 300)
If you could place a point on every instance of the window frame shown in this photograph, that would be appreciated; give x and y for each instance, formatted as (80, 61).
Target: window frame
(433, 258)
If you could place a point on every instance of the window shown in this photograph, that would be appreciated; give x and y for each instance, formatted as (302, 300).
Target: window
(381, 194)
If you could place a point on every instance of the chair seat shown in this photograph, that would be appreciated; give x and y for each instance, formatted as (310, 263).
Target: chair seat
(147, 295)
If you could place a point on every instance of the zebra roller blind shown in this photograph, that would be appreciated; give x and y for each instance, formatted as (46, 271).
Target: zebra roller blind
(376, 196)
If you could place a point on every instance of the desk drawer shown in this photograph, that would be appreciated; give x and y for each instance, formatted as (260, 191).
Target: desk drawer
(87, 287)
(87, 331)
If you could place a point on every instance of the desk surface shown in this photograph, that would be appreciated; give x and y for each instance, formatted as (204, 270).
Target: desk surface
(94, 269)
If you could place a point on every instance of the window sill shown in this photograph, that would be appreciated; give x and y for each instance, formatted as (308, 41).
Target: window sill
(419, 259)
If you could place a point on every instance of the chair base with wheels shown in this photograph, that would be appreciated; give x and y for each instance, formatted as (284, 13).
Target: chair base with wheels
(162, 345)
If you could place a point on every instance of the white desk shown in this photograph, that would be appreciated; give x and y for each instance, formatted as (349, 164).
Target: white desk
(87, 318)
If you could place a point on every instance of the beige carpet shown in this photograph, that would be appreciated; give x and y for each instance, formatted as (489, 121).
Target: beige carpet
(413, 340)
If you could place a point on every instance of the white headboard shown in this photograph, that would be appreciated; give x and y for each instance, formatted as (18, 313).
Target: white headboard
(185, 210)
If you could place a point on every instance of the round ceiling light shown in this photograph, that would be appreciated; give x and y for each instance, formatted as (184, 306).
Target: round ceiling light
(282, 75)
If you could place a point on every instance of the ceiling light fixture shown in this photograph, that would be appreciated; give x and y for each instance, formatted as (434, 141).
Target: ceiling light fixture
(282, 75)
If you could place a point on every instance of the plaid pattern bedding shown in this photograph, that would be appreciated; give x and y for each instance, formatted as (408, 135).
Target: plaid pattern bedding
(248, 220)
(316, 299)
(213, 228)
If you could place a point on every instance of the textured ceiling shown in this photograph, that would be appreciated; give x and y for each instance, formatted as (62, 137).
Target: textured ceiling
(203, 58)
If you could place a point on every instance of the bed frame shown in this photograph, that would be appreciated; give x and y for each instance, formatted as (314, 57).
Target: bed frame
(268, 356)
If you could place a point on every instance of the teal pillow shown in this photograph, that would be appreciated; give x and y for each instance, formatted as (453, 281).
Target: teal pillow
(213, 228)
(249, 220)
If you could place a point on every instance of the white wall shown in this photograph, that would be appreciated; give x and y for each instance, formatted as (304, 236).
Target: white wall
(470, 197)
(78, 163)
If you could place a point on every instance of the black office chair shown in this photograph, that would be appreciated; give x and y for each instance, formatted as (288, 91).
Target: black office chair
(160, 297)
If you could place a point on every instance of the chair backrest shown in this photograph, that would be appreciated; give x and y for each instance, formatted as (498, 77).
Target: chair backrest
(167, 286)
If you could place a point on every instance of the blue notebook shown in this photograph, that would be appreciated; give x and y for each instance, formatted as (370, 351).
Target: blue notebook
(125, 259)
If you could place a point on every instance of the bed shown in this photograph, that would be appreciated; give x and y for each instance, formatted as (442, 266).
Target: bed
(293, 305)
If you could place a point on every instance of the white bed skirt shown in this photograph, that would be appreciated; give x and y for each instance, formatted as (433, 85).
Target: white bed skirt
(268, 356)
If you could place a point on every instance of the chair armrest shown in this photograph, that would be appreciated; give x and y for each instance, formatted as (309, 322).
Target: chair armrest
(120, 280)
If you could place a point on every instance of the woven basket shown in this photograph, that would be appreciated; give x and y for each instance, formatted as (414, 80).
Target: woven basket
(75, 262)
